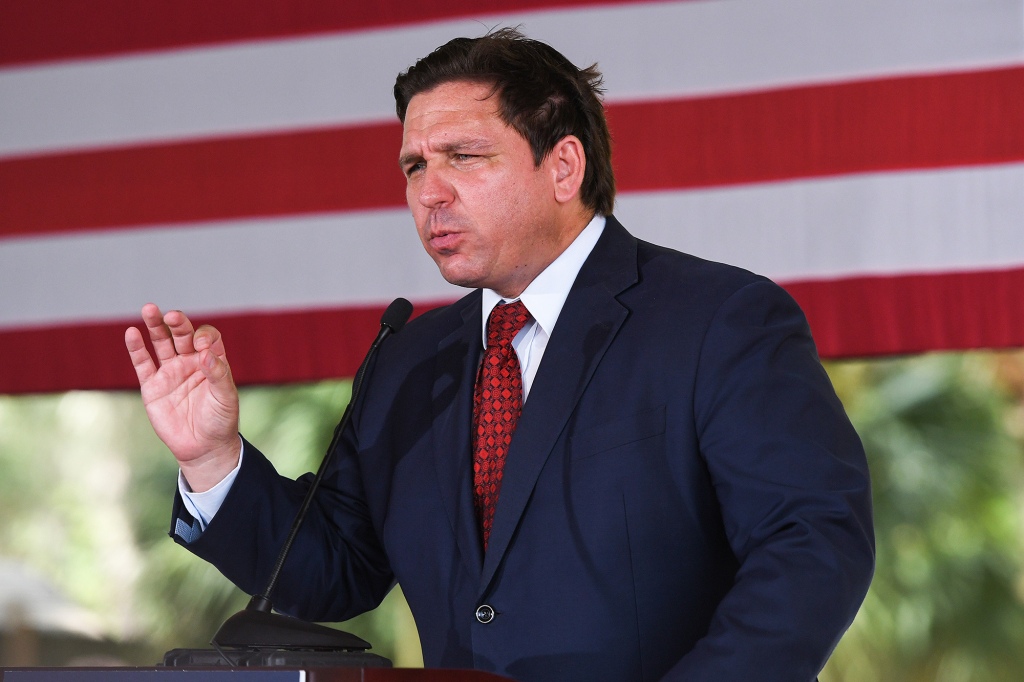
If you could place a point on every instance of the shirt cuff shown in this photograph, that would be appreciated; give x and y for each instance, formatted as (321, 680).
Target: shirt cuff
(204, 506)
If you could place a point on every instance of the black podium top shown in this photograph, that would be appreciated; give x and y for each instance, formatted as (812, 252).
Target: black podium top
(225, 674)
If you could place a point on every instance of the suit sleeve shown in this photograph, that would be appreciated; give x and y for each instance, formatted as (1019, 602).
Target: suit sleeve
(791, 478)
(336, 568)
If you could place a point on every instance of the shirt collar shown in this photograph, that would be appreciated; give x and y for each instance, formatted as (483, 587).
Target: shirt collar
(546, 294)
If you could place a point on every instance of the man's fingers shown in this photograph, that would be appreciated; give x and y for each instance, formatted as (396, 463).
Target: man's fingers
(218, 374)
(208, 338)
(141, 360)
(172, 334)
(215, 368)
(214, 363)
(182, 332)
(159, 333)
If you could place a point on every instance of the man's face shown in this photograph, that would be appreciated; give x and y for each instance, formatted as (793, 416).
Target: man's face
(484, 212)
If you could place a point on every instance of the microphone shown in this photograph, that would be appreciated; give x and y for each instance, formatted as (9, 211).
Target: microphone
(396, 315)
(256, 627)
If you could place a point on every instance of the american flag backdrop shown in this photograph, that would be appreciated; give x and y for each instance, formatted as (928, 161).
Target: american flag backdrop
(237, 159)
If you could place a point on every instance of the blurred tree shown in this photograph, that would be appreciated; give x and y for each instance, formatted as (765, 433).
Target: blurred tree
(85, 493)
(85, 489)
(66, 471)
(295, 424)
(942, 433)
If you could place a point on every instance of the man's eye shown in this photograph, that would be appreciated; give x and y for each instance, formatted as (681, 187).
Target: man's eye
(413, 168)
(465, 157)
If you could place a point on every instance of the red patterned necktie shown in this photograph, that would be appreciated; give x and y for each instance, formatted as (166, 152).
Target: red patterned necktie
(497, 402)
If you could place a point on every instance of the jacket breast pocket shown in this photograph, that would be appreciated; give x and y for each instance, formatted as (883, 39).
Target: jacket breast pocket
(595, 439)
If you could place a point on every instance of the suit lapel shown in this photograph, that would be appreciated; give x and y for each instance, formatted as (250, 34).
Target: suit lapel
(589, 321)
(454, 375)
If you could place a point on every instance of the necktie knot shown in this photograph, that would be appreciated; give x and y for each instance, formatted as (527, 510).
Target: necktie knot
(505, 322)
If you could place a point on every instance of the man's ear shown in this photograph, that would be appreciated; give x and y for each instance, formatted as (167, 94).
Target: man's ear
(569, 164)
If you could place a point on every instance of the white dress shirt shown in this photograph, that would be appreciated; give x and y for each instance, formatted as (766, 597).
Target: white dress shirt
(544, 298)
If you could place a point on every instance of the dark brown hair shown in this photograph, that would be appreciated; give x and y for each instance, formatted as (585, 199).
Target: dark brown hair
(541, 94)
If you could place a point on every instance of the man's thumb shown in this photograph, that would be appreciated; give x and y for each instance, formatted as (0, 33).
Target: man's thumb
(215, 369)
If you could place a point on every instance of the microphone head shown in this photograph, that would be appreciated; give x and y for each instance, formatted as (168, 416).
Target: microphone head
(396, 315)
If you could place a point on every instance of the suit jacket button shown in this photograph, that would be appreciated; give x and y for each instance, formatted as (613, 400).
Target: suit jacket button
(484, 613)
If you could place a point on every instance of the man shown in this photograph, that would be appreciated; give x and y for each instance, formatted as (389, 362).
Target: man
(682, 497)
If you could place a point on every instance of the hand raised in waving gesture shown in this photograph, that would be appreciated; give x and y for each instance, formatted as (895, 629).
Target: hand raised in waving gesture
(189, 394)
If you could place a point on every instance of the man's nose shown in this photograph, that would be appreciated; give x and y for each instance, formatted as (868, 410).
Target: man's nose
(434, 188)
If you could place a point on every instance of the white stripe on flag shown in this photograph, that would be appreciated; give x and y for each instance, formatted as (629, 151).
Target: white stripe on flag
(247, 265)
(948, 220)
(890, 223)
(647, 51)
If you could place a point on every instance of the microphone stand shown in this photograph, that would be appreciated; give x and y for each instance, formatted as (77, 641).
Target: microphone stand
(270, 636)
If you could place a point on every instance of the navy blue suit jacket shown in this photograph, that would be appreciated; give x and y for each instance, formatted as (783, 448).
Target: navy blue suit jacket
(684, 497)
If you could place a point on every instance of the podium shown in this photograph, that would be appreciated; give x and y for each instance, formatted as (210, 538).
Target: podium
(225, 674)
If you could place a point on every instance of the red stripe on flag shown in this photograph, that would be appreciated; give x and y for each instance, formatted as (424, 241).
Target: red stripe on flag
(307, 172)
(891, 124)
(261, 348)
(37, 30)
(866, 316)
(902, 123)
(853, 317)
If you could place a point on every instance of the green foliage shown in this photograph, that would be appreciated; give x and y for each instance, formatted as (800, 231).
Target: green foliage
(945, 604)
(69, 463)
(85, 492)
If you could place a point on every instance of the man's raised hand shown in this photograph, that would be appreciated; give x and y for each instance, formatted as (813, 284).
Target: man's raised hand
(189, 394)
